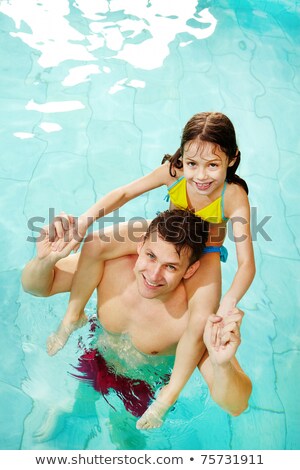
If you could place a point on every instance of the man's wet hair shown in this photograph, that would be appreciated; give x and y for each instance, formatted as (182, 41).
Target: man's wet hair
(183, 229)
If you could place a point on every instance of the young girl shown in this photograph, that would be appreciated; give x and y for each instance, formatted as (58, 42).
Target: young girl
(199, 177)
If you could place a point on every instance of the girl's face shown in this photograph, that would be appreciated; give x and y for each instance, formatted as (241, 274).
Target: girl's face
(204, 167)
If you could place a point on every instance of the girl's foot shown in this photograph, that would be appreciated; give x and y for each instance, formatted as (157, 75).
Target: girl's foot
(57, 340)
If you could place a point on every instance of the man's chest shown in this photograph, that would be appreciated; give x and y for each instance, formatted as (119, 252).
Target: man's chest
(152, 328)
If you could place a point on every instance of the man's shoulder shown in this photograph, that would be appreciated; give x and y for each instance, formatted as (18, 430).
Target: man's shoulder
(123, 262)
(118, 275)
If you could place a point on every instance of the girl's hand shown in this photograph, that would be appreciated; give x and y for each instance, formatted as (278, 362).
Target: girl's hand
(227, 305)
(44, 245)
(228, 332)
(67, 231)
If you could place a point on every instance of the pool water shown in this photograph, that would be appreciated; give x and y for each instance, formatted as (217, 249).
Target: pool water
(92, 95)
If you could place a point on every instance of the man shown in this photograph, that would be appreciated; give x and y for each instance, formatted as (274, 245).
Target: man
(145, 296)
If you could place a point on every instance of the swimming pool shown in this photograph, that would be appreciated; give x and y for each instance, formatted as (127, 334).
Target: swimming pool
(94, 93)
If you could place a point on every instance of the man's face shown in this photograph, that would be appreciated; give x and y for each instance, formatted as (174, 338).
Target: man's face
(159, 269)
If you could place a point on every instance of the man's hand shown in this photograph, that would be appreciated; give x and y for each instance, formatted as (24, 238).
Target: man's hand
(222, 336)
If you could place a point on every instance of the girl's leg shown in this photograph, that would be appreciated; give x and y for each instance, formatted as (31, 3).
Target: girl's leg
(114, 242)
(203, 293)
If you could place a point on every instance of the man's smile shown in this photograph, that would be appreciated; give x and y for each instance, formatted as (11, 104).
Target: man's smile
(151, 285)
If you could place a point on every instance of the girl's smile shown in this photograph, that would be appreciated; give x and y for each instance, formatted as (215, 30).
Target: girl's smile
(202, 186)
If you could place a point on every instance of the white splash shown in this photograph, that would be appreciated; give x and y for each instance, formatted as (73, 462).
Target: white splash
(51, 32)
(159, 23)
(136, 31)
(184, 44)
(117, 86)
(50, 127)
(121, 84)
(136, 83)
(23, 135)
(54, 106)
(80, 74)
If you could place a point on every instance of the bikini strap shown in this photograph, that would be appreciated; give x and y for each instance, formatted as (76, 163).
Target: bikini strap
(167, 196)
(222, 201)
(175, 182)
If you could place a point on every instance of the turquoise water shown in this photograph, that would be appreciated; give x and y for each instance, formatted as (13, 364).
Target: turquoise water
(92, 94)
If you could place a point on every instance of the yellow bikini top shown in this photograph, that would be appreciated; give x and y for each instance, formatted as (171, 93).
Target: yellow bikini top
(213, 213)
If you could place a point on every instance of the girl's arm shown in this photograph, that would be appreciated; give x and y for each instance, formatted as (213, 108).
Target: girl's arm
(107, 204)
(120, 196)
(203, 292)
(238, 210)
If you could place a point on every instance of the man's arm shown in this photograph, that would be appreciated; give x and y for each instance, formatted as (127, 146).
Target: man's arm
(229, 386)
